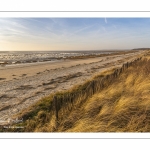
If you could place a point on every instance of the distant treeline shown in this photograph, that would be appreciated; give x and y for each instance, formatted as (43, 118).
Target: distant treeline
(141, 49)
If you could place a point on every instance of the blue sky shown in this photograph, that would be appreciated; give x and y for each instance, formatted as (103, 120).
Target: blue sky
(73, 33)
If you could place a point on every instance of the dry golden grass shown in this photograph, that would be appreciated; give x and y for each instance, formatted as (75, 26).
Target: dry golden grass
(122, 105)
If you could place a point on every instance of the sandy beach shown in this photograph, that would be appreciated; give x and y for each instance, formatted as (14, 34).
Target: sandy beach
(24, 84)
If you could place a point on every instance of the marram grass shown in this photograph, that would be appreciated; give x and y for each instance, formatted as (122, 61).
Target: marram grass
(115, 101)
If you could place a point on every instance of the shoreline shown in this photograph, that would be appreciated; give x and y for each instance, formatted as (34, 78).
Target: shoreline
(8, 72)
(9, 63)
(18, 94)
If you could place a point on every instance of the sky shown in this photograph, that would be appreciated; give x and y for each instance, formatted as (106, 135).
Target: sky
(20, 34)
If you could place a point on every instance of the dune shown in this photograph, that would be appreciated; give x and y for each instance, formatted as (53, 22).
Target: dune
(76, 104)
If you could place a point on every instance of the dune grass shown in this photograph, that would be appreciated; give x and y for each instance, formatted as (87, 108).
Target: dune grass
(124, 106)
(118, 104)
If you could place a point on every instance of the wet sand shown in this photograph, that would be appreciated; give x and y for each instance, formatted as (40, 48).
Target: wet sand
(24, 84)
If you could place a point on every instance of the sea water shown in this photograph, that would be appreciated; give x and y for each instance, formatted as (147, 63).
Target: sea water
(19, 57)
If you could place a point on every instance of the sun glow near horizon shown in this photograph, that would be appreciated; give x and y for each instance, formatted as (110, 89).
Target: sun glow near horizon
(73, 33)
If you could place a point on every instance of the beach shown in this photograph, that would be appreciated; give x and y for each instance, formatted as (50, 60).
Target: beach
(24, 84)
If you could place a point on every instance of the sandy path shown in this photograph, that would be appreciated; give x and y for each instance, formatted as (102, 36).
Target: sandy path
(35, 81)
